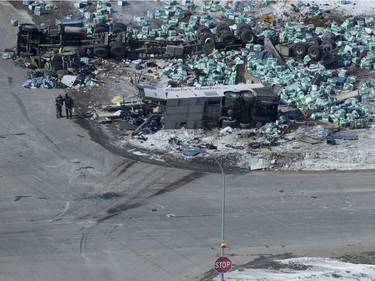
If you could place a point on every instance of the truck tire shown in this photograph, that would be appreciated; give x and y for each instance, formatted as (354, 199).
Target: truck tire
(101, 51)
(101, 27)
(207, 39)
(245, 125)
(28, 27)
(84, 51)
(329, 44)
(248, 97)
(315, 40)
(118, 49)
(229, 123)
(242, 27)
(202, 29)
(228, 38)
(329, 35)
(248, 36)
(119, 27)
(222, 27)
(315, 52)
(232, 99)
(300, 49)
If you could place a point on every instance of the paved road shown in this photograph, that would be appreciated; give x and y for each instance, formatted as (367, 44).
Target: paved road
(71, 210)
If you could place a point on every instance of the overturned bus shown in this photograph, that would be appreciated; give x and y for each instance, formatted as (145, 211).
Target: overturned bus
(242, 105)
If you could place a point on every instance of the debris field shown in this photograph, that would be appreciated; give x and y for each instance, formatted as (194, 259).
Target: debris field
(317, 58)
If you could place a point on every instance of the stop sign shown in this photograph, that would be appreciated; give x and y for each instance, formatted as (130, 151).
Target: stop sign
(223, 264)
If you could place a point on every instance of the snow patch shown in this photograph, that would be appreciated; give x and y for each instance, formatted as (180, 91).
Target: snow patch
(321, 269)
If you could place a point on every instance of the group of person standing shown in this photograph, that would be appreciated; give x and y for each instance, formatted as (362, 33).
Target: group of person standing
(69, 103)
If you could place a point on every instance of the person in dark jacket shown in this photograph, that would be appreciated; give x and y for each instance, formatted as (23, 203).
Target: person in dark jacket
(59, 101)
(69, 103)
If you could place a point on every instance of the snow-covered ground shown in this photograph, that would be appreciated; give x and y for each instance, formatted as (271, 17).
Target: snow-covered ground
(313, 269)
(348, 7)
(294, 153)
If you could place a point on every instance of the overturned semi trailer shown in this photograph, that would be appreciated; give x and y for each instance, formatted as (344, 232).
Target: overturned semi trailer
(243, 105)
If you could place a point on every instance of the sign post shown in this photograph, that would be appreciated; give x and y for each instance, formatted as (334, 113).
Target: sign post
(223, 265)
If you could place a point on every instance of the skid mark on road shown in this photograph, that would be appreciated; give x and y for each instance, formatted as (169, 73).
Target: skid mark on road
(4, 136)
(118, 209)
(83, 243)
(179, 183)
(144, 195)
(58, 217)
(122, 168)
(19, 197)
(111, 229)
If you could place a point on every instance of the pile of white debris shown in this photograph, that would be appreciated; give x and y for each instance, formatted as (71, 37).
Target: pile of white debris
(302, 149)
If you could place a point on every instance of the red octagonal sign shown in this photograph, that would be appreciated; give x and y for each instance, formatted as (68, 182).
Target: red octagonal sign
(223, 265)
